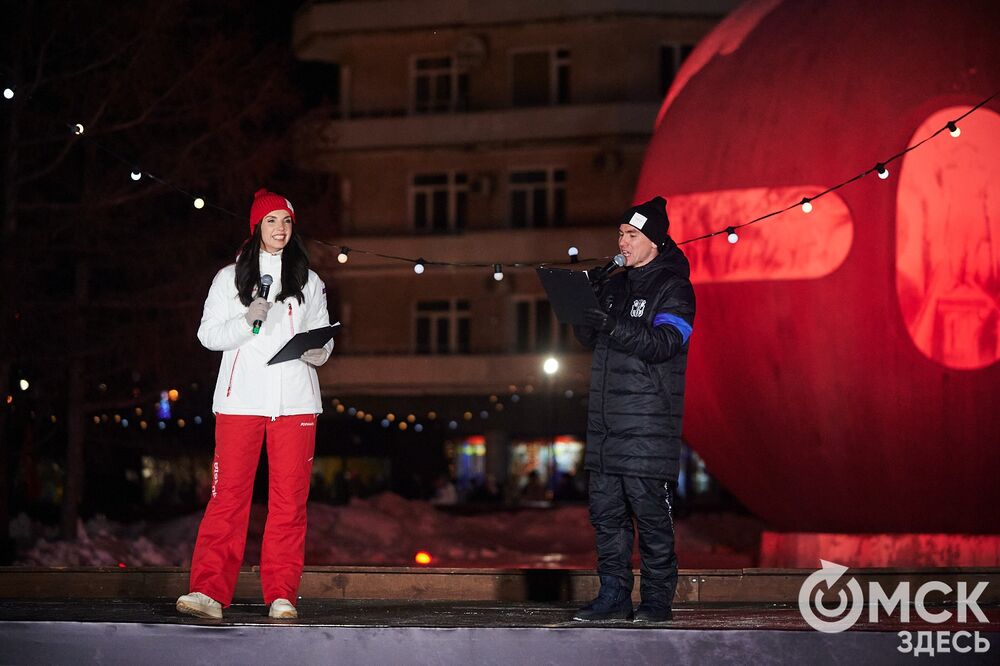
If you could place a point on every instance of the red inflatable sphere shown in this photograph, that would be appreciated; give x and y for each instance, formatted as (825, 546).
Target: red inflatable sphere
(844, 370)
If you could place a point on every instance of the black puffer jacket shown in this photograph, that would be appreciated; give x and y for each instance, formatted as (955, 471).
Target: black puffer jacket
(637, 377)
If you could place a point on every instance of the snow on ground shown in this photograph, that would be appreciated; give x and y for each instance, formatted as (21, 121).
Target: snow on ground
(388, 530)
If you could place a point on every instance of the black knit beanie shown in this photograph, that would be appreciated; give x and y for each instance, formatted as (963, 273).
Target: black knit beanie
(650, 218)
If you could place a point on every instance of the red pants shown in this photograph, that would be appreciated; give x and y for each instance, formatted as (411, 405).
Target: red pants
(218, 552)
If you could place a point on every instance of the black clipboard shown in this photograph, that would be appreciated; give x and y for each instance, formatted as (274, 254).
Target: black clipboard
(569, 292)
(303, 342)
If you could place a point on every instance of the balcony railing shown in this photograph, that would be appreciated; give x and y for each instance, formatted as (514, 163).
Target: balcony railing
(318, 22)
(549, 123)
(403, 374)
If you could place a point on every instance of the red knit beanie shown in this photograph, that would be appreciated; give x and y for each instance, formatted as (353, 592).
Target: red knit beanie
(263, 203)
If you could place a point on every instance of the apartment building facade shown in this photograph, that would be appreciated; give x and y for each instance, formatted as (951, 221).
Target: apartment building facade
(477, 132)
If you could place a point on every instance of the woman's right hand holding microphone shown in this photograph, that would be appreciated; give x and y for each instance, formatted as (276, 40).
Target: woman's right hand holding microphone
(257, 311)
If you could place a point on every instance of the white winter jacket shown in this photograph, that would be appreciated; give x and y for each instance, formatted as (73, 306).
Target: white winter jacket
(246, 384)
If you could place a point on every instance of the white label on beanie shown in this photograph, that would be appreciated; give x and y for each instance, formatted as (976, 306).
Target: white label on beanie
(289, 204)
(638, 220)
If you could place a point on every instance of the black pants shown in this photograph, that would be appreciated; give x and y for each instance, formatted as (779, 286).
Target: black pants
(614, 500)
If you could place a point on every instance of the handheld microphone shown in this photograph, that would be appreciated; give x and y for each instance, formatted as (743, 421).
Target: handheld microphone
(265, 287)
(598, 274)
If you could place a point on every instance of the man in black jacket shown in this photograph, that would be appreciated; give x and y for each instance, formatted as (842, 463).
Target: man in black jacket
(640, 340)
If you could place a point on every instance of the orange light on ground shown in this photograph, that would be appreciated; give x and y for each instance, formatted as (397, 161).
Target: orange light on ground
(422, 558)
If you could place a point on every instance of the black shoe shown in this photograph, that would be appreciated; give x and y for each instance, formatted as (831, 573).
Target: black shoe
(613, 602)
(653, 613)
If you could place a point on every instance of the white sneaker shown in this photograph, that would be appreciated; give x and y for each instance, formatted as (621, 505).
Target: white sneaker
(199, 605)
(282, 609)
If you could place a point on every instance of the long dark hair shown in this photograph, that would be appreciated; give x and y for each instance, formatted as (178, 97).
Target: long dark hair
(294, 268)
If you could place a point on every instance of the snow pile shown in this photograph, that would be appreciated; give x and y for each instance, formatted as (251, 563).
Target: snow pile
(387, 530)
(99, 542)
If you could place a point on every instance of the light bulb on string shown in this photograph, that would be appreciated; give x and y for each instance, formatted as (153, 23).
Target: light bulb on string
(78, 129)
(199, 203)
(342, 257)
(574, 254)
(731, 235)
(136, 174)
(497, 272)
(418, 267)
(954, 129)
(806, 205)
(8, 93)
(882, 172)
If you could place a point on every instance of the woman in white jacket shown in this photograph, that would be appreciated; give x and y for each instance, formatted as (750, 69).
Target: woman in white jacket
(254, 401)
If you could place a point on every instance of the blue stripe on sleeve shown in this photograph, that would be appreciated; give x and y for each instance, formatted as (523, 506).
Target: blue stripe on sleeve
(667, 319)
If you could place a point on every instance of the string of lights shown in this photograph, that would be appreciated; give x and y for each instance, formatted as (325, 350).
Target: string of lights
(420, 264)
(880, 169)
(160, 418)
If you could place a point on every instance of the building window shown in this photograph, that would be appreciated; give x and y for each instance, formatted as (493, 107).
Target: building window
(537, 198)
(322, 84)
(538, 330)
(439, 201)
(671, 57)
(438, 85)
(540, 78)
(442, 327)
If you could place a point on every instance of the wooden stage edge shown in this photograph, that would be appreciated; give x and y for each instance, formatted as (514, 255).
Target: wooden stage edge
(430, 584)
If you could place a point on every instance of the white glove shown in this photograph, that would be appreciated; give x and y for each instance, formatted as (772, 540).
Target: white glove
(257, 311)
(316, 357)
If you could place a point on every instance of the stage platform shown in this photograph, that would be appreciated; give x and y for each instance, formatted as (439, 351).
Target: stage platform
(441, 584)
(101, 618)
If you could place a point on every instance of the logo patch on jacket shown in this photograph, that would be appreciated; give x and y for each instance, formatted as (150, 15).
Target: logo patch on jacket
(638, 307)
